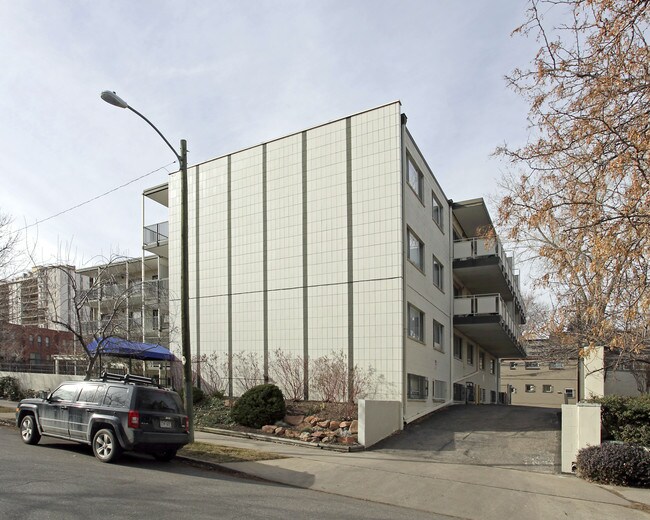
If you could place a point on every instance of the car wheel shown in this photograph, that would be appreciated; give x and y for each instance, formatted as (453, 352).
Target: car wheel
(29, 430)
(106, 447)
(165, 455)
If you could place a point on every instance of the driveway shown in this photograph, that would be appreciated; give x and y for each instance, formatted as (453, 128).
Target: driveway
(515, 437)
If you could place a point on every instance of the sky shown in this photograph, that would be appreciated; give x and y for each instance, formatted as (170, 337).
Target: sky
(226, 75)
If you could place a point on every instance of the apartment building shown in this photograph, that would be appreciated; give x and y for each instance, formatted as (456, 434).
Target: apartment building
(126, 298)
(339, 240)
(39, 297)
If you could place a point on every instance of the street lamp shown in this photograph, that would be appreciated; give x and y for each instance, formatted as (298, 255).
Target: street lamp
(114, 99)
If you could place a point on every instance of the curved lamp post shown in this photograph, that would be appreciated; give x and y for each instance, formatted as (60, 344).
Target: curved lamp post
(113, 99)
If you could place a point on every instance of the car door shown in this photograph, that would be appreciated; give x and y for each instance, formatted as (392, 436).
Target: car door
(55, 413)
(82, 410)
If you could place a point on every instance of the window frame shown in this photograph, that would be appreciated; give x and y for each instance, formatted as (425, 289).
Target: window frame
(437, 265)
(421, 249)
(419, 192)
(530, 388)
(436, 211)
(422, 317)
(547, 389)
(481, 360)
(422, 393)
(438, 331)
(458, 342)
(470, 353)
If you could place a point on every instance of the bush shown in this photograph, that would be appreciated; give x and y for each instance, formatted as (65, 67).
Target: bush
(198, 395)
(615, 463)
(10, 389)
(262, 404)
(626, 419)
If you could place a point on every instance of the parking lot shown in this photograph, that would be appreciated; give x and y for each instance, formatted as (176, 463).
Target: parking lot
(516, 437)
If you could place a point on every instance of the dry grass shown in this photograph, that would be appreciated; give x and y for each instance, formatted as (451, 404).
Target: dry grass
(216, 453)
(4, 409)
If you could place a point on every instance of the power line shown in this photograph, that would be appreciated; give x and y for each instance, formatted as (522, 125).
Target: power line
(112, 190)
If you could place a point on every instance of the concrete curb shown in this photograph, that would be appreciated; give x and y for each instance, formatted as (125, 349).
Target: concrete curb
(280, 440)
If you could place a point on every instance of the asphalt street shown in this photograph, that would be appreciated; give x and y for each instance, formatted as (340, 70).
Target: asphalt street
(59, 480)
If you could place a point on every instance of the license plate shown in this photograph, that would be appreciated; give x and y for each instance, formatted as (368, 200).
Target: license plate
(165, 423)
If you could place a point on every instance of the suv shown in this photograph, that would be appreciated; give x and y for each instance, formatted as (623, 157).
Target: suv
(112, 414)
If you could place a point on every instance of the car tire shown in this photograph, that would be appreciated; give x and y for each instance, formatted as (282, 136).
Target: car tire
(29, 430)
(165, 455)
(106, 447)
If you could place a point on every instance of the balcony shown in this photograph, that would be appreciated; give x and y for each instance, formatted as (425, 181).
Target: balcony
(155, 238)
(485, 319)
(482, 265)
(156, 290)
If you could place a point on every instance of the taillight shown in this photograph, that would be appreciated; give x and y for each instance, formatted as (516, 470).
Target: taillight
(134, 419)
(187, 424)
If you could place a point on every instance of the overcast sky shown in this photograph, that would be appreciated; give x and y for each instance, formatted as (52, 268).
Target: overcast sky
(227, 75)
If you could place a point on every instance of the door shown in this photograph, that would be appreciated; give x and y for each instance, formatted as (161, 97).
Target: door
(82, 410)
(55, 414)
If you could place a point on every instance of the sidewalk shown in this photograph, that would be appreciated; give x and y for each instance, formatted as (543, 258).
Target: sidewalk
(464, 491)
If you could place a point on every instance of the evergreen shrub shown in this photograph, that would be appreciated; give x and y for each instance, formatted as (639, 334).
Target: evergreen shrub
(262, 404)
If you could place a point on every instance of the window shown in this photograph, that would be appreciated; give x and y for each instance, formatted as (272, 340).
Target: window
(532, 365)
(418, 387)
(39, 340)
(47, 341)
(481, 360)
(493, 396)
(556, 365)
(116, 397)
(416, 250)
(547, 389)
(438, 336)
(155, 323)
(436, 210)
(31, 338)
(416, 323)
(415, 179)
(483, 395)
(513, 365)
(91, 394)
(569, 393)
(458, 347)
(440, 390)
(470, 354)
(437, 273)
(530, 389)
(493, 365)
(64, 393)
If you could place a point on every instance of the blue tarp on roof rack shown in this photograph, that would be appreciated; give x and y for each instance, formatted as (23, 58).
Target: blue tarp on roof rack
(130, 349)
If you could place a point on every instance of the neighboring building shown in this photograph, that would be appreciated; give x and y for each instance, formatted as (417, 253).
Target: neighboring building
(120, 304)
(39, 297)
(539, 382)
(339, 239)
(27, 347)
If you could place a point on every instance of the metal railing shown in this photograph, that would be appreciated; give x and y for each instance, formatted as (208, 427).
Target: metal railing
(486, 305)
(156, 289)
(478, 247)
(156, 233)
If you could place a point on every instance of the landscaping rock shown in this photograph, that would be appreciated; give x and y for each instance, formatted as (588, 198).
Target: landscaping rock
(345, 424)
(334, 425)
(280, 430)
(269, 428)
(352, 439)
(323, 424)
(294, 420)
(354, 427)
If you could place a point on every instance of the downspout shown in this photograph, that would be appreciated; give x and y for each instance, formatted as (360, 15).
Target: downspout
(450, 233)
(402, 234)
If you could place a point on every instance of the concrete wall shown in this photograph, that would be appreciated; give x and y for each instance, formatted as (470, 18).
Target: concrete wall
(580, 428)
(547, 384)
(378, 420)
(40, 382)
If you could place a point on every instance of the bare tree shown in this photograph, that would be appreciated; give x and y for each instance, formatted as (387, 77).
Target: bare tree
(578, 194)
(8, 243)
(93, 309)
(287, 370)
(246, 370)
(213, 373)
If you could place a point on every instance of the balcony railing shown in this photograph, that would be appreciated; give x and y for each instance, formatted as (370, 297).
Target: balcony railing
(483, 247)
(156, 289)
(156, 233)
(486, 305)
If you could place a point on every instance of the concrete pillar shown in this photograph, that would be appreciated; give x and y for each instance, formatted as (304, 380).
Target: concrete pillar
(580, 428)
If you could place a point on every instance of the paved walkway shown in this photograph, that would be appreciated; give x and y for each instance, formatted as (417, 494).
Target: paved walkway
(462, 491)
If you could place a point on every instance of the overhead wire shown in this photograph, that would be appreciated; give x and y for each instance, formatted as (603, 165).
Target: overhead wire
(97, 197)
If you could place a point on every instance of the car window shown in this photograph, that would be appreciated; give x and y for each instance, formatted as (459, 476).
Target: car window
(149, 399)
(64, 393)
(91, 394)
(117, 397)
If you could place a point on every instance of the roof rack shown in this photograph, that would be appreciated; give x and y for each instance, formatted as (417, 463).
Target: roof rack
(127, 378)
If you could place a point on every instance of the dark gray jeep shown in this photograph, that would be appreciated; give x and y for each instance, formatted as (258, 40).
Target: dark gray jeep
(113, 414)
